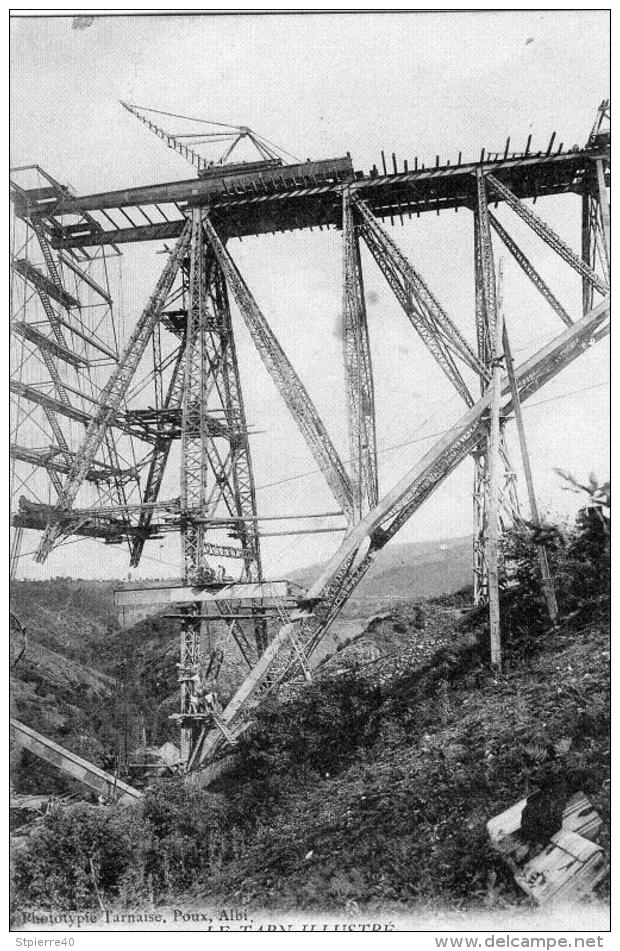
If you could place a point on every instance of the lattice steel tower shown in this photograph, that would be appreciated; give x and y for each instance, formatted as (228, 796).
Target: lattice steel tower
(100, 424)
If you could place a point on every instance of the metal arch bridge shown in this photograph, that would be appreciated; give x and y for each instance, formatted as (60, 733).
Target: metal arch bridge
(85, 436)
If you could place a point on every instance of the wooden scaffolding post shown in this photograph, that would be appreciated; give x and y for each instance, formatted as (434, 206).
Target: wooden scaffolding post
(546, 579)
(16, 544)
(493, 456)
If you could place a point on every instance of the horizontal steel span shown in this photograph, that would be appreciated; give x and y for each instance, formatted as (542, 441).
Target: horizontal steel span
(186, 594)
(260, 207)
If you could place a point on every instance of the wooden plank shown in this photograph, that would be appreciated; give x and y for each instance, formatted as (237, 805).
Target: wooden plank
(37, 396)
(570, 866)
(39, 280)
(28, 332)
(83, 276)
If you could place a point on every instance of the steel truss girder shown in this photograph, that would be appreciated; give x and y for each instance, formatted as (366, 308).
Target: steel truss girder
(211, 370)
(542, 229)
(44, 343)
(438, 332)
(243, 502)
(603, 202)
(594, 241)
(48, 257)
(491, 500)
(194, 446)
(358, 550)
(34, 395)
(111, 396)
(529, 269)
(37, 279)
(159, 458)
(284, 376)
(358, 369)
(211, 366)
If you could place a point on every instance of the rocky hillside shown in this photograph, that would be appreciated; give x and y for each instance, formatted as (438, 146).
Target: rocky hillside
(91, 685)
(371, 788)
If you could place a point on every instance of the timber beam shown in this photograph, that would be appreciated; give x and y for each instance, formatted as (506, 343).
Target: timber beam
(34, 336)
(41, 282)
(110, 531)
(33, 395)
(53, 459)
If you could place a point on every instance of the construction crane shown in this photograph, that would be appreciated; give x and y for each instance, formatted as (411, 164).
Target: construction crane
(212, 135)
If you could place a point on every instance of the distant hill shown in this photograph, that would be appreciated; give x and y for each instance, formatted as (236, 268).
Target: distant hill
(89, 683)
(405, 572)
(61, 674)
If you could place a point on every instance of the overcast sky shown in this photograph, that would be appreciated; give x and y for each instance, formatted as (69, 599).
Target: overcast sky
(416, 84)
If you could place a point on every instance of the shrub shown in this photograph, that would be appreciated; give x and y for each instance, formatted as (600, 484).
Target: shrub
(78, 852)
(85, 853)
(579, 562)
(524, 608)
(319, 732)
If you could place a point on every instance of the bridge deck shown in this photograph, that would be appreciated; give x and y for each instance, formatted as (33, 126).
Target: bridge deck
(254, 207)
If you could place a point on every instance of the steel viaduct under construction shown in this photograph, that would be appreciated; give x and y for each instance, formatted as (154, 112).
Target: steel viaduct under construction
(94, 423)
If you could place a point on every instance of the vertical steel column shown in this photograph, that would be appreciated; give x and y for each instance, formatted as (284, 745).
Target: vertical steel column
(603, 203)
(595, 230)
(587, 250)
(242, 476)
(492, 321)
(213, 410)
(358, 369)
(194, 469)
(479, 454)
(195, 463)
